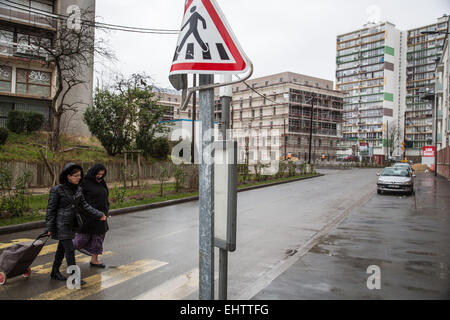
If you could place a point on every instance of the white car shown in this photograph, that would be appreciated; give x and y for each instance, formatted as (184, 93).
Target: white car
(404, 166)
(396, 179)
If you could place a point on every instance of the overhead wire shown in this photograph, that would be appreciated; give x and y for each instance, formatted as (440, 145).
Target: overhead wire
(94, 24)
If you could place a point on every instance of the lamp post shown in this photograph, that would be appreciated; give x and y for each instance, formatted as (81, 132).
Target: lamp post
(431, 96)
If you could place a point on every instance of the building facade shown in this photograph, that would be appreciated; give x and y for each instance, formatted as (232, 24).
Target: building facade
(368, 73)
(442, 89)
(284, 104)
(27, 83)
(385, 73)
(423, 53)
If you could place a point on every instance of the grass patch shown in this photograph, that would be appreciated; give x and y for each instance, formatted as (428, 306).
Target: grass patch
(25, 148)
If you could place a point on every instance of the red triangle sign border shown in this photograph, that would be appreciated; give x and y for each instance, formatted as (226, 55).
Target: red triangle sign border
(239, 66)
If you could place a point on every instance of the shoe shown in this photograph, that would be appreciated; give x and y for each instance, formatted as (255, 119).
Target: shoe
(85, 252)
(101, 265)
(82, 282)
(57, 276)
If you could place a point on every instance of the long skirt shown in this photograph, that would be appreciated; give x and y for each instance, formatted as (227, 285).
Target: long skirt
(90, 242)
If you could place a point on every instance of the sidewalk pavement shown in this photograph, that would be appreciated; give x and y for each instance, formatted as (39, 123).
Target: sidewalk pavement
(406, 237)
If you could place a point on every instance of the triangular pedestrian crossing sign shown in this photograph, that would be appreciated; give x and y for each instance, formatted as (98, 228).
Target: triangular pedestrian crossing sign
(206, 43)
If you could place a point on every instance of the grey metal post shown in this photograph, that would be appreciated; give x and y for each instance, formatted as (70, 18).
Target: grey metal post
(435, 105)
(223, 254)
(206, 193)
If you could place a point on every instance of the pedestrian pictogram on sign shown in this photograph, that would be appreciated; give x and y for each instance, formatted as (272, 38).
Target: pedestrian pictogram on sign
(206, 43)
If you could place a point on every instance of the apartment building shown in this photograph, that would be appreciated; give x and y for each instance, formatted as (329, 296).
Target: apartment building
(26, 82)
(368, 65)
(423, 53)
(442, 90)
(282, 102)
(384, 73)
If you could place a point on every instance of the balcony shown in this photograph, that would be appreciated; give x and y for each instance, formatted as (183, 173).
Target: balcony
(24, 16)
(22, 50)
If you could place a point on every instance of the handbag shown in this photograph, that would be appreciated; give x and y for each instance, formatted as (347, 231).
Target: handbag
(78, 216)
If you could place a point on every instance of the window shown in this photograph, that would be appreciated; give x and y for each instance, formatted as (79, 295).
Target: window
(274, 110)
(265, 100)
(254, 85)
(253, 113)
(6, 41)
(241, 102)
(267, 83)
(260, 125)
(281, 79)
(240, 115)
(33, 82)
(260, 113)
(168, 99)
(250, 101)
(299, 141)
(5, 78)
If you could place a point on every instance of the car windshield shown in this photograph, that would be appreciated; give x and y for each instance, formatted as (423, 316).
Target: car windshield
(395, 172)
(401, 165)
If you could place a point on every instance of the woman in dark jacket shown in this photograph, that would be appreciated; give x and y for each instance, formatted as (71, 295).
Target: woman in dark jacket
(64, 201)
(89, 239)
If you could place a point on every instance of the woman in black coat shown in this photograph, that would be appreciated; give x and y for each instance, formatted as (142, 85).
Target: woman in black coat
(64, 201)
(89, 239)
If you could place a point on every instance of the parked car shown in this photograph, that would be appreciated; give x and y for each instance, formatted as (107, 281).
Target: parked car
(395, 179)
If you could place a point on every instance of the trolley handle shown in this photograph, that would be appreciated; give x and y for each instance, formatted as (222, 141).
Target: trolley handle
(44, 235)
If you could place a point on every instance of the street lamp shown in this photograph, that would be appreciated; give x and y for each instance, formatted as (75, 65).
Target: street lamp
(431, 96)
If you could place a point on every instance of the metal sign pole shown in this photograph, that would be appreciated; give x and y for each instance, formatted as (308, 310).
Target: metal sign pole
(225, 98)
(206, 192)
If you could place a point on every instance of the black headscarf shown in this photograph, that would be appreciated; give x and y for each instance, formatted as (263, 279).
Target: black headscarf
(92, 173)
(66, 171)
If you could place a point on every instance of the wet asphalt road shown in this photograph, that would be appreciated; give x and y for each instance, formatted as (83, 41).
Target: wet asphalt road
(154, 254)
(406, 237)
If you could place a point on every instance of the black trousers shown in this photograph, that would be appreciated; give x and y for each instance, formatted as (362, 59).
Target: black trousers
(65, 248)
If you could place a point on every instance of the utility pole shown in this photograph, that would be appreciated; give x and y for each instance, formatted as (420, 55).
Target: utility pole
(206, 192)
(435, 136)
(285, 140)
(194, 119)
(311, 129)
(225, 98)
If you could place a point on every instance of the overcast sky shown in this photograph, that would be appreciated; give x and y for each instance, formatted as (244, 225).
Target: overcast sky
(278, 36)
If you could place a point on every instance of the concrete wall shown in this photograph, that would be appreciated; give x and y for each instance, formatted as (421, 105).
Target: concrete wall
(72, 123)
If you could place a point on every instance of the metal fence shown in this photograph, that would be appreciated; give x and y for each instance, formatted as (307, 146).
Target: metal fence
(42, 178)
(443, 167)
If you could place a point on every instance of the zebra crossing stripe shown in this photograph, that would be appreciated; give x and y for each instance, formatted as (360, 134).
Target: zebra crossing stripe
(222, 52)
(175, 56)
(13, 242)
(105, 280)
(80, 258)
(190, 51)
(177, 288)
(207, 54)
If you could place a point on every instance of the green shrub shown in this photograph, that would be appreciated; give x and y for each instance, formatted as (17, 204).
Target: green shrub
(33, 121)
(160, 148)
(3, 135)
(16, 121)
(23, 121)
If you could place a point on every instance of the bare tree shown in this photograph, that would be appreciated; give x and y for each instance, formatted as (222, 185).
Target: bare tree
(394, 138)
(70, 53)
